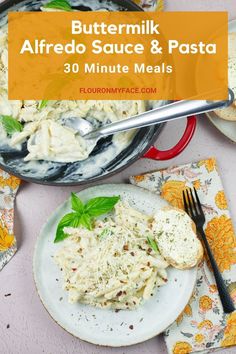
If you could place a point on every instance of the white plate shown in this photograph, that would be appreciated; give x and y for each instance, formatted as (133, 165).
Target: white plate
(225, 127)
(107, 327)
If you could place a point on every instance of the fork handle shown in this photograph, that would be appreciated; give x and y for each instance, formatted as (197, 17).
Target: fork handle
(225, 297)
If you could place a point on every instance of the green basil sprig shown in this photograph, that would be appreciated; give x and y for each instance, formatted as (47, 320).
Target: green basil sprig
(10, 124)
(83, 214)
(152, 243)
(58, 4)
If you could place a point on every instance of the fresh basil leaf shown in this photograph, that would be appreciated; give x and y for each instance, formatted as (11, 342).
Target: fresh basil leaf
(71, 219)
(86, 221)
(10, 124)
(76, 203)
(59, 4)
(100, 205)
(76, 220)
(83, 214)
(152, 243)
(43, 104)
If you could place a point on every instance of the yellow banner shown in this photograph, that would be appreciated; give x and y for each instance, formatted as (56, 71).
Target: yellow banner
(118, 55)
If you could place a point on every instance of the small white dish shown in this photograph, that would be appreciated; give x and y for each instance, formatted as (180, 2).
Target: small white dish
(107, 327)
(225, 127)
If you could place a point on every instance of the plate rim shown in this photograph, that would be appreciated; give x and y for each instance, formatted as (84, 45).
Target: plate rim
(81, 337)
(209, 114)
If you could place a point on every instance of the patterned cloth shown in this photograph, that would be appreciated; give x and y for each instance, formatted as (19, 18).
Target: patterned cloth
(151, 5)
(202, 325)
(8, 188)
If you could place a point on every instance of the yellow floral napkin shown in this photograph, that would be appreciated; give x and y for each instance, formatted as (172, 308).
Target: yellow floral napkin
(151, 5)
(202, 325)
(8, 188)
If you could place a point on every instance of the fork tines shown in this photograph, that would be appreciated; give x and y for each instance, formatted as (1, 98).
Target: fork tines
(192, 204)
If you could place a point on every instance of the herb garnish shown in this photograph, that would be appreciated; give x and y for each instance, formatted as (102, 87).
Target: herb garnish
(106, 232)
(43, 104)
(10, 124)
(152, 243)
(59, 4)
(83, 214)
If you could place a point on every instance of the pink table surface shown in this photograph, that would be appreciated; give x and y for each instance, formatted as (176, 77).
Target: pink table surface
(31, 330)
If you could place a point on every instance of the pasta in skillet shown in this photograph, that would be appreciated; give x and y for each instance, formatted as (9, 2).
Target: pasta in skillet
(112, 266)
(43, 123)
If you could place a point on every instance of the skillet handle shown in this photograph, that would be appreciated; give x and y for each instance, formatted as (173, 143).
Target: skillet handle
(155, 154)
